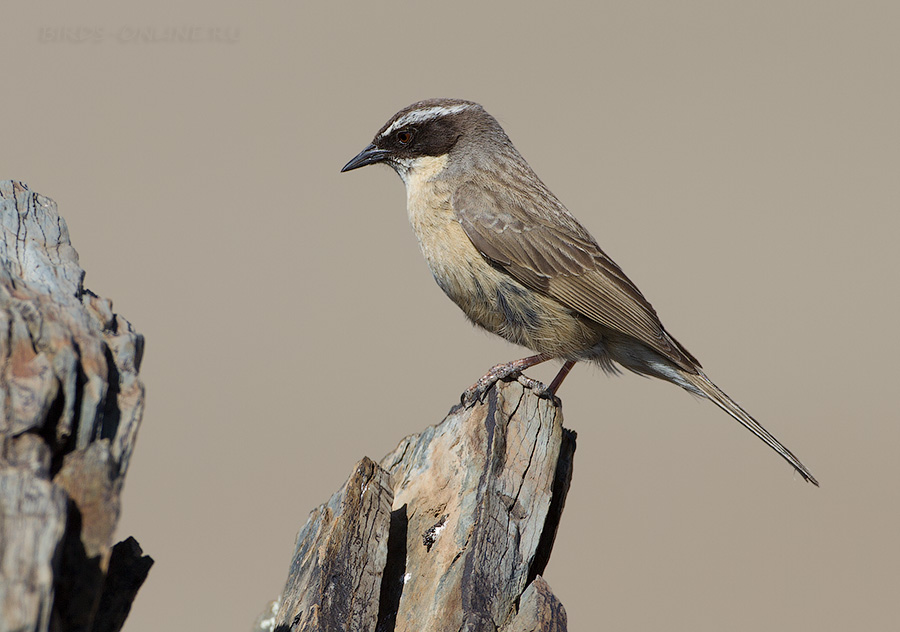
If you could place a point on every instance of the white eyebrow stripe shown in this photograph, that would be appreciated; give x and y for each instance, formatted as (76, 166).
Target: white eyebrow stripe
(428, 114)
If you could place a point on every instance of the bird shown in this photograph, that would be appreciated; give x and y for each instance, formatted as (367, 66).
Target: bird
(504, 248)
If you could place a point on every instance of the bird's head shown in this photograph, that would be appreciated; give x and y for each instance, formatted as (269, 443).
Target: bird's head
(424, 131)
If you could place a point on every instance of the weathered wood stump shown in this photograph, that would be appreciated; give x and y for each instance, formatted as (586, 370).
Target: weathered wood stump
(71, 406)
(450, 531)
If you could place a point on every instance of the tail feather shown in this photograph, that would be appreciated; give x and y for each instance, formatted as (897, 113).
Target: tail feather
(700, 382)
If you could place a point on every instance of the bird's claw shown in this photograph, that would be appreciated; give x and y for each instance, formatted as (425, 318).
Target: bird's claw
(476, 393)
(479, 390)
(539, 389)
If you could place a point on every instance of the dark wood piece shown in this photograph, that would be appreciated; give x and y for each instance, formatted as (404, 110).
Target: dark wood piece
(451, 531)
(71, 406)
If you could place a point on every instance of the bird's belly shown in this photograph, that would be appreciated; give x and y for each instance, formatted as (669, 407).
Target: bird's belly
(491, 298)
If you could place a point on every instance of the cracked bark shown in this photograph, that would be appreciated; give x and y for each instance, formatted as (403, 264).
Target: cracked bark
(71, 406)
(459, 523)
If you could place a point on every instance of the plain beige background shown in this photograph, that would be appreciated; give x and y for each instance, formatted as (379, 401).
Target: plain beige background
(740, 160)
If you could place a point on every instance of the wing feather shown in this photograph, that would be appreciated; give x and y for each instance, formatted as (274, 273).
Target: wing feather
(557, 256)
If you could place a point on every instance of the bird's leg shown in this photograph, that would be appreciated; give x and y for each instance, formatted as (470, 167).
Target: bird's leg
(558, 380)
(504, 371)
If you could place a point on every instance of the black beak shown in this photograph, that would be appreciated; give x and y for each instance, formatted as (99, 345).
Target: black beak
(368, 156)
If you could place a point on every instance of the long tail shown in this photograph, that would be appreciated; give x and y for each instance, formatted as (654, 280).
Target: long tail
(721, 399)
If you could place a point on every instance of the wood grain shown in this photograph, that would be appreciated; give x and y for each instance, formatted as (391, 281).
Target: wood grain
(458, 525)
(72, 403)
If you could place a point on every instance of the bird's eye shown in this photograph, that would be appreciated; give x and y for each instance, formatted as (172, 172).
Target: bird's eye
(404, 136)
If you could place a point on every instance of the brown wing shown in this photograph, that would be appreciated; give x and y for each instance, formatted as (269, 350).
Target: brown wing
(555, 255)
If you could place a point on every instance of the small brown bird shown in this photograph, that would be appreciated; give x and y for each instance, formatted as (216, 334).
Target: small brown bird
(510, 255)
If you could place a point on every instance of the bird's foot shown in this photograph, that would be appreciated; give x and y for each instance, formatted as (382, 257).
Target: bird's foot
(508, 371)
(539, 388)
(479, 390)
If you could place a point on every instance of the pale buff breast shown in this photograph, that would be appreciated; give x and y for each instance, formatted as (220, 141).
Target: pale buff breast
(489, 297)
